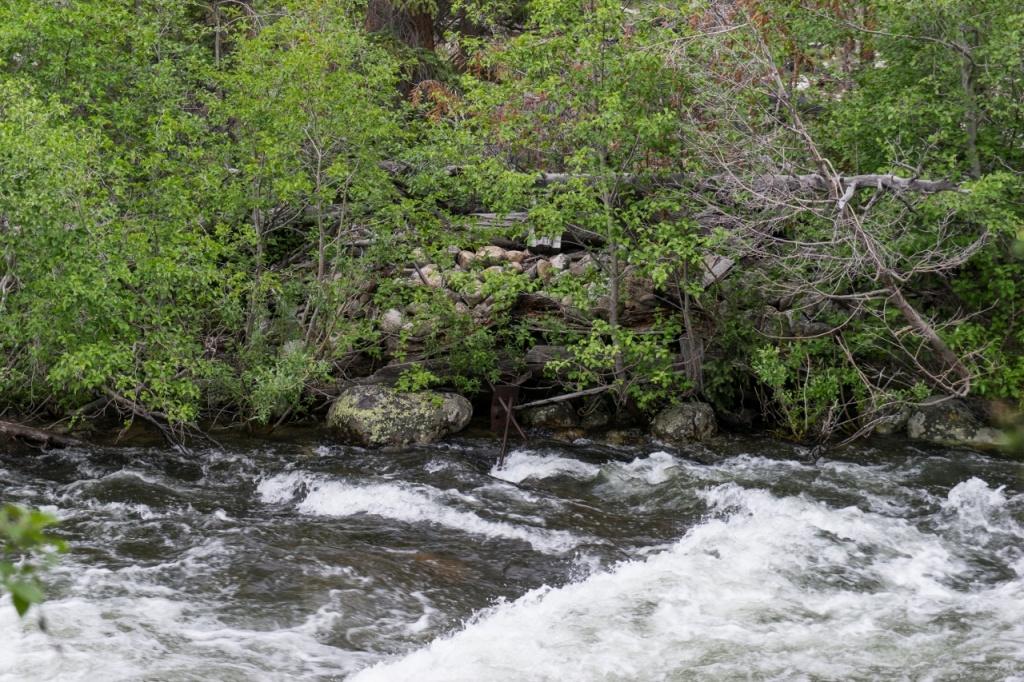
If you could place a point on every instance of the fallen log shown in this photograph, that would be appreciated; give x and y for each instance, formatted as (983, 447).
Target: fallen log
(34, 435)
(766, 181)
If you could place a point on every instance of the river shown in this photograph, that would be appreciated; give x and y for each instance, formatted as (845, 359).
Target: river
(305, 560)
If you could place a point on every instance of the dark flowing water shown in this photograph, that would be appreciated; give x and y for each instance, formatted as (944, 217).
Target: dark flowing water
(319, 562)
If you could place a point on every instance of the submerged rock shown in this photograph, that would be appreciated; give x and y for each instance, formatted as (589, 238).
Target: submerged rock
(685, 422)
(623, 437)
(951, 422)
(376, 416)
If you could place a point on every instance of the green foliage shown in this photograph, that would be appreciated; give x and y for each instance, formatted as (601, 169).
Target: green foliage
(584, 93)
(203, 209)
(277, 389)
(652, 381)
(808, 395)
(417, 378)
(26, 547)
(437, 330)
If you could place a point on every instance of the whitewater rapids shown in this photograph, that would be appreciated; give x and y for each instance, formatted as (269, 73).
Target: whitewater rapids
(564, 564)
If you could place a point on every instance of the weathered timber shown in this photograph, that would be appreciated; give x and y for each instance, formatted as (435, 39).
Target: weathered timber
(808, 182)
(564, 397)
(34, 435)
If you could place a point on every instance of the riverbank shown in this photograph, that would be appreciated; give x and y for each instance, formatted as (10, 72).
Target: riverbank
(690, 428)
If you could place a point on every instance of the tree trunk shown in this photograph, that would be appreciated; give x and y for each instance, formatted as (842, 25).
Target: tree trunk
(695, 354)
(614, 276)
(412, 27)
(971, 105)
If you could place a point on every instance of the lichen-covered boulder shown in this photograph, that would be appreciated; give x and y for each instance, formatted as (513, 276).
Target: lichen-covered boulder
(951, 422)
(377, 415)
(685, 423)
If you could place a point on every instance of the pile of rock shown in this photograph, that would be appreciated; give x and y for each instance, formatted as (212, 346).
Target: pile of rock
(464, 277)
(495, 259)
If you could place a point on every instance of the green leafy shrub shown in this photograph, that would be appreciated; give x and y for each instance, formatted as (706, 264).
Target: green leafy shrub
(26, 548)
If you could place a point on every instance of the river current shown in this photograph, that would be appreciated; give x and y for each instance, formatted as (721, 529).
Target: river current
(751, 560)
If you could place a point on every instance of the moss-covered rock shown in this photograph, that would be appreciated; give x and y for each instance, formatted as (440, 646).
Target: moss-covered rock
(685, 423)
(376, 416)
(942, 421)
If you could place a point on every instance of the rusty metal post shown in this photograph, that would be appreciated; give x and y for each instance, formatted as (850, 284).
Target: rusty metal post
(502, 402)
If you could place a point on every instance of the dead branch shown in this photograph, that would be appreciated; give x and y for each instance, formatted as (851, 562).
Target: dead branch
(562, 398)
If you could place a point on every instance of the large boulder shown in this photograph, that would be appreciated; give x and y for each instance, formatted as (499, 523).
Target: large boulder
(684, 423)
(596, 415)
(376, 416)
(942, 421)
(551, 416)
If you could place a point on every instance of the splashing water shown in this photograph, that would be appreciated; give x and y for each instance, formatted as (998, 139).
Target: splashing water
(321, 563)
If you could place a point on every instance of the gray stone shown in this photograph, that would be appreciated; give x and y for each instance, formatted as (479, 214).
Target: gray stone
(892, 423)
(492, 253)
(684, 423)
(472, 293)
(419, 257)
(465, 259)
(377, 415)
(552, 416)
(391, 321)
(428, 275)
(540, 355)
(582, 266)
(560, 262)
(951, 422)
(481, 313)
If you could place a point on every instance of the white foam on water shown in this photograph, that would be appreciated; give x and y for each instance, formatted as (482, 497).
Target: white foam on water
(766, 588)
(655, 469)
(136, 637)
(975, 502)
(406, 503)
(523, 464)
(281, 488)
(125, 624)
(438, 465)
